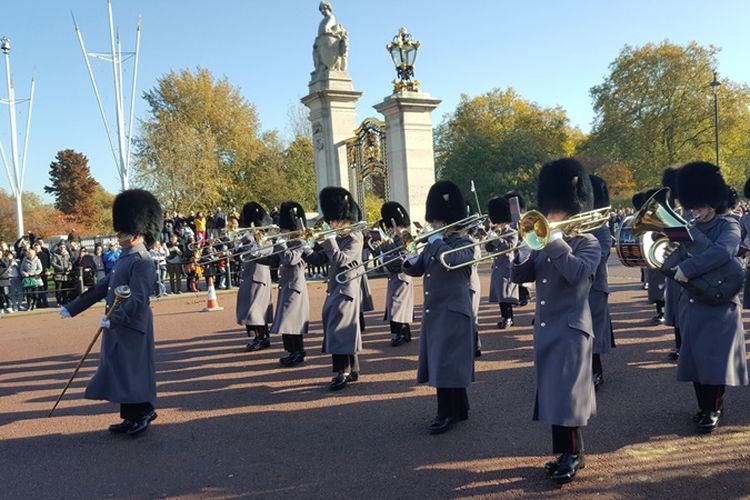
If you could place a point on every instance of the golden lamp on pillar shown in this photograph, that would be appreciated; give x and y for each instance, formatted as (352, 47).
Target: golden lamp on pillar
(403, 50)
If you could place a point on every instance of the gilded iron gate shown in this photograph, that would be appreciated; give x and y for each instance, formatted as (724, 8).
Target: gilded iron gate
(367, 161)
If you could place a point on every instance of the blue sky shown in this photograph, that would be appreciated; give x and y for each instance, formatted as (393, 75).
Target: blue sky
(551, 52)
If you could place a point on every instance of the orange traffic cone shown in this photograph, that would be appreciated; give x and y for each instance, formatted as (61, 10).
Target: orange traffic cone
(213, 303)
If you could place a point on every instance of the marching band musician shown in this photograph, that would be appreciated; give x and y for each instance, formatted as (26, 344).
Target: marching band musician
(342, 337)
(475, 286)
(563, 328)
(599, 295)
(672, 290)
(502, 290)
(523, 291)
(292, 316)
(254, 307)
(655, 280)
(446, 345)
(745, 245)
(712, 354)
(399, 300)
(127, 370)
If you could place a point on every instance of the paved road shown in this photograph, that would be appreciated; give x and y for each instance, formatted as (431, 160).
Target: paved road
(234, 424)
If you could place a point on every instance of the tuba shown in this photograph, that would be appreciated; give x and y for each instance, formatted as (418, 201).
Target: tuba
(656, 217)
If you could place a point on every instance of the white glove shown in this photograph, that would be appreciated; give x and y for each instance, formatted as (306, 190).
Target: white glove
(556, 234)
(435, 237)
(523, 253)
(64, 313)
(104, 322)
(280, 240)
(679, 275)
(331, 236)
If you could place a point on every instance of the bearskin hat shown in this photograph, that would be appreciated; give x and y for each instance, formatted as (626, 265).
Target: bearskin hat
(730, 203)
(445, 202)
(521, 201)
(700, 184)
(137, 211)
(499, 210)
(637, 200)
(564, 185)
(601, 191)
(292, 216)
(337, 203)
(254, 215)
(393, 211)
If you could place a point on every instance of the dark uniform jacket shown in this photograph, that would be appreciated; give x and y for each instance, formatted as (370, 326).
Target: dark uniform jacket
(713, 338)
(563, 328)
(446, 344)
(126, 371)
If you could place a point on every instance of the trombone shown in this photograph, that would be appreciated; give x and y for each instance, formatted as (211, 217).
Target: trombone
(410, 244)
(535, 231)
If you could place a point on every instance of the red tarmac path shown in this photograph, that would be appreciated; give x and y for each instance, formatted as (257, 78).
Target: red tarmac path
(234, 424)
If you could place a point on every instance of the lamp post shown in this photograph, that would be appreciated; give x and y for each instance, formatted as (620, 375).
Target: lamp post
(16, 176)
(715, 84)
(403, 50)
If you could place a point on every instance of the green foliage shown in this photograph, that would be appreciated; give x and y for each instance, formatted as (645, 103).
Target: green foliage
(655, 109)
(72, 185)
(500, 141)
(201, 147)
(371, 210)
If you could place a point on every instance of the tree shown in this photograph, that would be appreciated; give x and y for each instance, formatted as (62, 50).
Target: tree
(619, 179)
(655, 109)
(500, 141)
(201, 134)
(72, 185)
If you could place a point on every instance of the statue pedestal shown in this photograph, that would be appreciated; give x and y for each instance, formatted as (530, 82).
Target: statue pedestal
(332, 102)
(411, 159)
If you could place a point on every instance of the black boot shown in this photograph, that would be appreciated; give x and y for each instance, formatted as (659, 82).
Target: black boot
(567, 467)
(339, 381)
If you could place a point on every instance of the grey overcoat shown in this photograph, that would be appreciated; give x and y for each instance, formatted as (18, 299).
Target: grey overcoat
(399, 299)
(563, 329)
(366, 302)
(502, 289)
(254, 298)
(126, 371)
(599, 295)
(475, 285)
(446, 343)
(745, 242)
(341, 329)
(293, 306)
(713, 338)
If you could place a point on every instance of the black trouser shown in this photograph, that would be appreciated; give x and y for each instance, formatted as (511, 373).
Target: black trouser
(345, 363)
(596, 364)
(135, 411)
(400, 329)
(710, 397)
(659, 307)
(506, 310)
(292, 343)
(523, 293)
(452, 402)
(362, 320)
(257, 331)
(677, 338)
(566, 439)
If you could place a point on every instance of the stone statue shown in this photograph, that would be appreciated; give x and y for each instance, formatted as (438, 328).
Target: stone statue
(331, 47)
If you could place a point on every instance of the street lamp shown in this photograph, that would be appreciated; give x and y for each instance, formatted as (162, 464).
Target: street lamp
(715, 84)
(403, 50)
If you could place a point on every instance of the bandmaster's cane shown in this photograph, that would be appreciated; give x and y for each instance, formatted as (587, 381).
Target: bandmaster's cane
(121, 293)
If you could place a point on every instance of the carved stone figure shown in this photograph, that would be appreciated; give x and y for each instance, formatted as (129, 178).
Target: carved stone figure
(331, 47)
